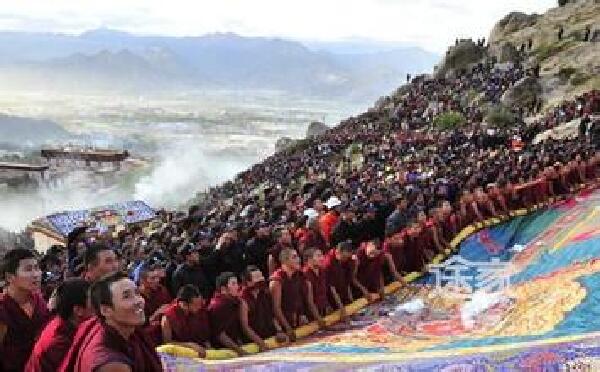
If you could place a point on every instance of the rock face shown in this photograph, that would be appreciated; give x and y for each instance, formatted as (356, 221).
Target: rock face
(513, 22)
(523, 94)
(283, 143)
(506, 52)
(552, 55)
(459, 57)
(315, 128)
(567, 130)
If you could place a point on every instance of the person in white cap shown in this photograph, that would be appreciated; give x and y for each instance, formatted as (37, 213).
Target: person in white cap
(328, 220)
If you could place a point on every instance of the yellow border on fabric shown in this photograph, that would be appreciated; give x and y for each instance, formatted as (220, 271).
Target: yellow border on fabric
(353, 308)
(392, 357)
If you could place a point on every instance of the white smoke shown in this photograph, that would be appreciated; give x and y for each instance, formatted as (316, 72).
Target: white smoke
(184, 169)
(77, 190)
(181, 170)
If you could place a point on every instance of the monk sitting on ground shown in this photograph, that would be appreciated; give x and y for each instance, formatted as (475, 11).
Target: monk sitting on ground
(112, 341)
(23, 312)
(256, 311)
(338, 268)
(224, 313)
(315, 285)
(286, 287)
(72, 308)
(185, 321)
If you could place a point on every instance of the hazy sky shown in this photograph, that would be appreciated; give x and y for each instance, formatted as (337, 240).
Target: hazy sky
(432, 24)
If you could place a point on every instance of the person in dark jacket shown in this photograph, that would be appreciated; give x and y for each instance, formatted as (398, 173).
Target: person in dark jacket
(345, 229)
(230, 253)
(191, 272)
(257, 248)
(398, 219)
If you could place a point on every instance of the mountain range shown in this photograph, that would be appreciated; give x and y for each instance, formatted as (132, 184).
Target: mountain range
(109, 60)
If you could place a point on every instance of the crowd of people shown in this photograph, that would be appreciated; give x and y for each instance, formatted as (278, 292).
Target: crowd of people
(297, 236)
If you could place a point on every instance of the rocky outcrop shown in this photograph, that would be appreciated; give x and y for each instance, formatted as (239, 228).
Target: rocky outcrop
(567, 130)
(506, 52)
(460, 57)
(513, 22)
(554, 56)
(283, 143)
(315, 128)
(523, 94)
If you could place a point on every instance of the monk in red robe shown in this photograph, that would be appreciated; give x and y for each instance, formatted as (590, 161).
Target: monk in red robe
(338, 267)
(111, 341)
(485, 204)
(286, 287)
(256, 311)
(284, 241)
(497, 196)
(185, 321)
(23, 311)
(315, 295)
(369, 270)
(395, 247)
(156, 297)
(468, 208)
(417, 248)
(224, 313)
(72, 308)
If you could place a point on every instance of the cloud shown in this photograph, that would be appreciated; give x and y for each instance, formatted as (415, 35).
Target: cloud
(429, 23)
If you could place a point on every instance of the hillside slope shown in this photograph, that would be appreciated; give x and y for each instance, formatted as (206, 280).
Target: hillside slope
(568, 66)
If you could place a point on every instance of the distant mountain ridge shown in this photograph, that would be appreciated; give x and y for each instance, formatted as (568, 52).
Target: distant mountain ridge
(30, 132)
(108, 59)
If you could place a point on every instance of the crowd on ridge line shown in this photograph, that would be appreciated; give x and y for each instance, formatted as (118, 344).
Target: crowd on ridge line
(356, 226)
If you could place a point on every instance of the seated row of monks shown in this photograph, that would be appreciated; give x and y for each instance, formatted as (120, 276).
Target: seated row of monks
(414, 246)
(295, 294)
(102, 325)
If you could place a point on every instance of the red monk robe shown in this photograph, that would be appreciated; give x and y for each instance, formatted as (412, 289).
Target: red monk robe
(260, 311)
(97, 344)
(52, 346)
(370, 270)
(339, 276)
(542, 192)
(224, 316)
(152, 302)
(21, 332)
(394, 245)
(318, 283)
(292, 300)
(275, 251)
(415, 243)
(450, 226)
(192, 327)
(155, 299)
